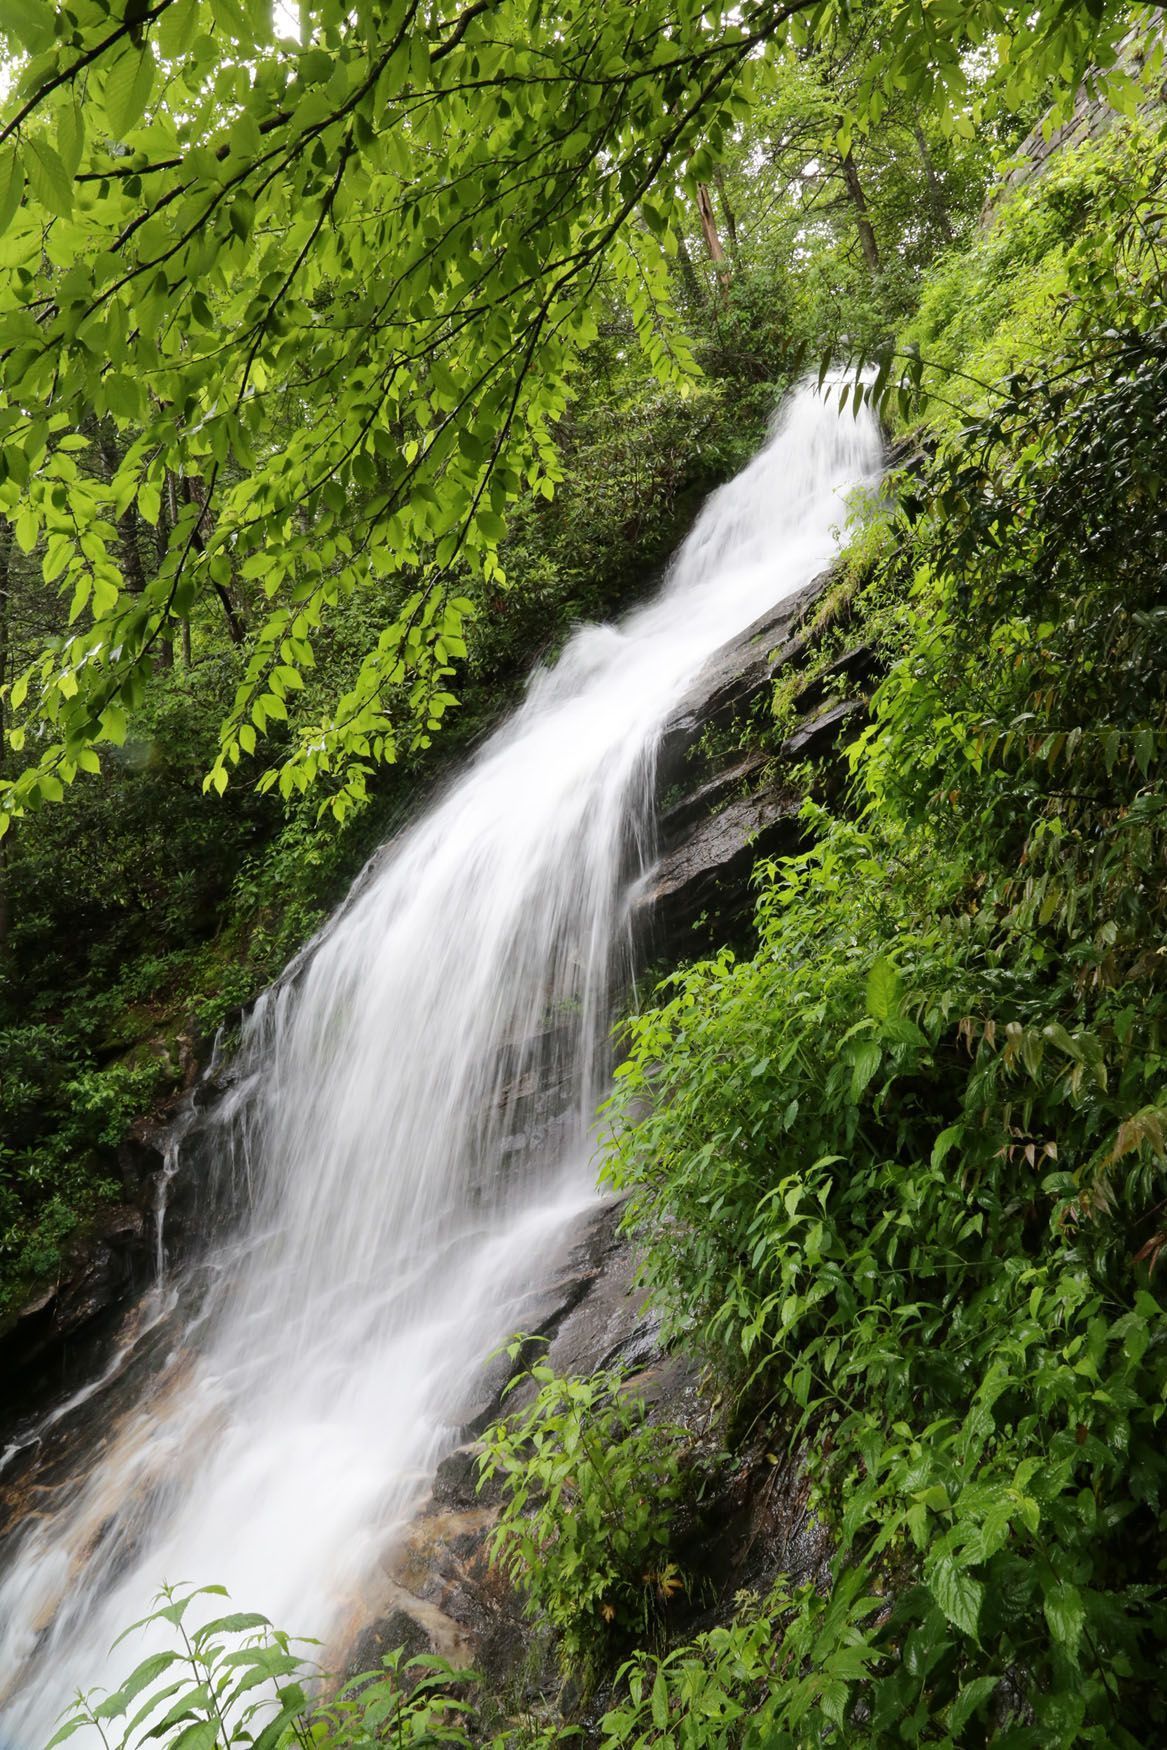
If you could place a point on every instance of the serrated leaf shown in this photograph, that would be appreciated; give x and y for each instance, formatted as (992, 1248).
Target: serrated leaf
(957, 1593)
(49, 180)
(74, 1725)
(968, 1701)
(202, 1735)
(153, 1667)
(29, 22)
(236, 1624)
(884, 990)
(175, 29)
(1065, 1613)
(242, 216)
(128, 85)
(864, 1065)
(660, 1701)
(71, 137)
(11, 185)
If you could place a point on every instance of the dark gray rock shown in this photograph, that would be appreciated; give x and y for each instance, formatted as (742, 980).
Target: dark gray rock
(456, 1478)
(742, 668)
(679, 820)
(820, 735)
(48, 1340)
(708, 873)
(398, 1629)
(856, 668)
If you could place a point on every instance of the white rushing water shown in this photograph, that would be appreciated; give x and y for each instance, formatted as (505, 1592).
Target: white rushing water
(403, 1188)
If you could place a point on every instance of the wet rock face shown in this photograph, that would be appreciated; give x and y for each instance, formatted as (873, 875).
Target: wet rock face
(742, 803)
(439, 1592)
(438, 1578)
(754, 1521)
(63, 1333)
(50, 1341)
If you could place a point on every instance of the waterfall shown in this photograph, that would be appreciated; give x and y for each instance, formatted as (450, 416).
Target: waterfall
(410, 1129)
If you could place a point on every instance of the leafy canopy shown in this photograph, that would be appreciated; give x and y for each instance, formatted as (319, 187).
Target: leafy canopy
(337, 275)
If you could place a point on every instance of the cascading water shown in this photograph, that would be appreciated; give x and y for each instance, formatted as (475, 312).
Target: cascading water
(392, 1222)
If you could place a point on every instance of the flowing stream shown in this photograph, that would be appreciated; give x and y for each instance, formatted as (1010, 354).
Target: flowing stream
(411, 1128)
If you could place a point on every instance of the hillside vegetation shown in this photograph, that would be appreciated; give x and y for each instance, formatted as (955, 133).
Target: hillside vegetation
(898, 1177)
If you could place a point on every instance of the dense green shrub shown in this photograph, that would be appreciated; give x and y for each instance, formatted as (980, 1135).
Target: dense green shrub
(590, 1492)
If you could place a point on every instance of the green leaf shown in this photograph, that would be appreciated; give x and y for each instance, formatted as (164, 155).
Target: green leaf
(1065, 1613)
(660, 1701)
(128, 85)
(236, 1624)
(968, 1701)
(242, 216)
(71, 1727)
(11, 184)
(865, 1062)
(884, 990)
(176, 27)
(30, 22)
(49, 180)
(71, 137)
(202, 1735)
(957, 1593)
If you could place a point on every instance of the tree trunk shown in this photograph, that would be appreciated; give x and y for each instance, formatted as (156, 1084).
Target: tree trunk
(689, 274)
(172, 505)
(935, 187)
(194, 495)
(712, 240)
(862, 216)
(129, 522)
(727, 213)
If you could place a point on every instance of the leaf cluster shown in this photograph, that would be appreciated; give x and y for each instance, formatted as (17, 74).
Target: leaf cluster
(591, 1489)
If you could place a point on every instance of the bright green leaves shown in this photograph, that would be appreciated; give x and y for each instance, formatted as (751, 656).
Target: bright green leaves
(128, 83)
(232, 1680)
(11, 184)
(48, 179)
(71, 137)
(591, 1491)
(1065, 1614)
(175, 29)
(903, 1172)
(958, 1595)
(348, 276)
(884, 991)
(387, 234)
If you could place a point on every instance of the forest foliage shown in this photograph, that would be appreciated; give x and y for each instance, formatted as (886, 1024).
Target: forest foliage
(136, 913)
(294, 429)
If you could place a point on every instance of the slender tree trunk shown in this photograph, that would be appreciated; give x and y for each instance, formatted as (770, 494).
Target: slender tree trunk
(172, 507)
(729, 217)
(689, 275)
(935, 187)
(161, 542)
(712, 240)
(129, 523)
(862, 216)
(194, 495)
